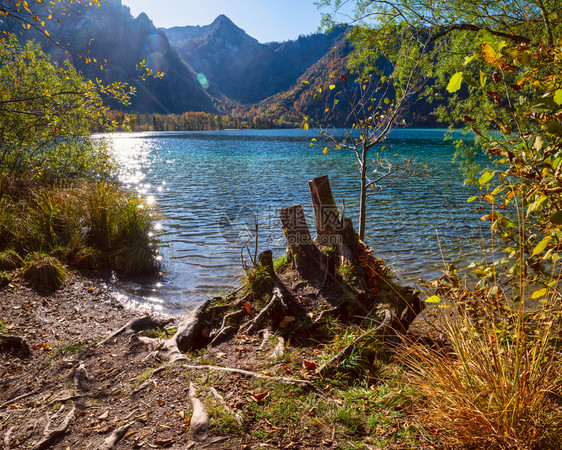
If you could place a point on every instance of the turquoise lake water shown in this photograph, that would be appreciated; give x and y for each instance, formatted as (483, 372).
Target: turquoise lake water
(208, 185)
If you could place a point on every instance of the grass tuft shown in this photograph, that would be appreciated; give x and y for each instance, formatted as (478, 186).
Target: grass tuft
(259, 283)
(44, 272)
(10, 260)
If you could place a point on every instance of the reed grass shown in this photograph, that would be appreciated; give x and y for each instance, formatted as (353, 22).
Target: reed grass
(89, 224)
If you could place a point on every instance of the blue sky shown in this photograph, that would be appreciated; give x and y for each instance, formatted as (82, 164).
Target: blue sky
(265, 20)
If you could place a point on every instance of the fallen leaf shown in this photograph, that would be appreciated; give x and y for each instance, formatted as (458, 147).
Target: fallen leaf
(165, 443)
(241, 349)
(309, 365)
(182, 414)
(286, 320)
(160, 402)
(287, 369)
(248, 307)
(259, 397)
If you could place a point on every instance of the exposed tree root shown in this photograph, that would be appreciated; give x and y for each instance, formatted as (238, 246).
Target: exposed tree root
(8, 437)
(279, 350)
(199, 424)
(220, 398)
(65, 399)
(81, 377)
(17, 399)
(253, 326)
(223, 334)
(265, 339)
(50, 436)
(188, 335)
(136, 326)
(247, 373)
(14, 344)
(112, 440)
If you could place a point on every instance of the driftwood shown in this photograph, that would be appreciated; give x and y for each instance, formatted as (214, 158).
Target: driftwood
(199, 424)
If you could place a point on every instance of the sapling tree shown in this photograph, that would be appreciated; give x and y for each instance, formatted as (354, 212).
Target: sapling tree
(374, 105)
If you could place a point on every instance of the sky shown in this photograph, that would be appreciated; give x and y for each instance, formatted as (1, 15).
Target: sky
(264, 20)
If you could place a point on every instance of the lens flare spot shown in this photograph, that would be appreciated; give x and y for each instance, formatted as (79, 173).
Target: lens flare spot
(203, 80)
(154, 43)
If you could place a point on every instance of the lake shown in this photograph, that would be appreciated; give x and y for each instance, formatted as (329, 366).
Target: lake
(210, 186)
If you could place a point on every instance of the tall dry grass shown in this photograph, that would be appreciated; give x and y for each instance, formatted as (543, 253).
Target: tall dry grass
(494, 378)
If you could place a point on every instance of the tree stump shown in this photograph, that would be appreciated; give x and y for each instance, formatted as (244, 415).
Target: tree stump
(306, 258)
(353, 280)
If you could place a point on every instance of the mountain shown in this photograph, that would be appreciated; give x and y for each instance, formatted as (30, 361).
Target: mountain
(216, 69)
(241, 68)
(109, 35)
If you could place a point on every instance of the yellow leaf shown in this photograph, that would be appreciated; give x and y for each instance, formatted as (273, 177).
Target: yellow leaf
(490, 54)
(541, 246)
(434, 299)
(489, 198)
(305, 127)
(540, 293)
(325, 151)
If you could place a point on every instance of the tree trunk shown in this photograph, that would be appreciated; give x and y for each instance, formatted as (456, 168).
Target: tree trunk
(363, 199)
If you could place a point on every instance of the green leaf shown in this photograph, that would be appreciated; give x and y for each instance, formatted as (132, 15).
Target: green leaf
(558, 96)
(544, 105)
(483, 79)
(455, 82)
(554, 128)
(434, 299)
(541, 246)
(485, 178)
(556, 218)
